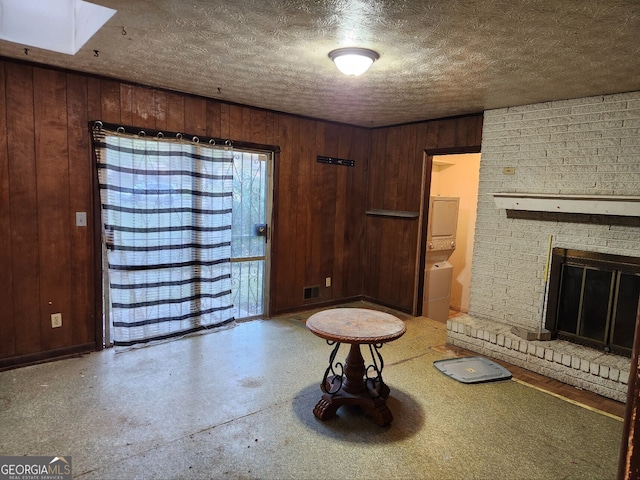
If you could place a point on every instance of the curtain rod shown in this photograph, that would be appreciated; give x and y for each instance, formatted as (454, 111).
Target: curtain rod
(168, 135)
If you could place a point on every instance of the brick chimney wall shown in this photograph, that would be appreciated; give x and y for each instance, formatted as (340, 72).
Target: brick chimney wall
(581, 146)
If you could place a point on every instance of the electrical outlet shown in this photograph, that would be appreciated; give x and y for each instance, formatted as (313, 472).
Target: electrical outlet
(509, 171)
(81, 219)
(327, 282)
(56, 320)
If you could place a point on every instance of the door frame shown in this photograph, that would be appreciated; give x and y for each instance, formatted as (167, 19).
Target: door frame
(269, 196)
(425, 191)
(98, 272)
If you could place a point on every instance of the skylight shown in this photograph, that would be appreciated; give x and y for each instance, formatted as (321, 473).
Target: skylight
(59, 25)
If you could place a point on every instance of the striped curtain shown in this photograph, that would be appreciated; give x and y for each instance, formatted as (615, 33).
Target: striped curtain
(166, 217)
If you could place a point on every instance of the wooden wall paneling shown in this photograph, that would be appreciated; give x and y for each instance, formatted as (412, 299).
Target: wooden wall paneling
(54, 216)
(225, 131)
(356, 223)
(469, 131)
(213, 119)
(303, 210)
(143, 112)
(7, 322)
(24, 208)
(446, 133)
(387, 230)
(160, 104)
(393, 168)
(284, 232)
(110, 108)
(94, 99)
(195, 116)
(407, 178)
(328, 204)
(246, 132)
(375, 189)
(339, 272)
(414, 156)
(236, 123)
(316, 202)
(433, 135)
(319, 227)
(270, 127)
(175, 112)
(80, 200)
(126, 104)
(271, 123)
(376, 183)
(94, 112)
(408, 181)
(385, 164)
(461, 130)
(395, 177)
(475, 135)
(258, 127)
(371, 257)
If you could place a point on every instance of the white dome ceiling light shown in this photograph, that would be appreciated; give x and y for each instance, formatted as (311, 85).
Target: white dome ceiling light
(353, 61)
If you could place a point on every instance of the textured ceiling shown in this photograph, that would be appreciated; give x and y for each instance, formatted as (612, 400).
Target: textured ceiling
(438, 58)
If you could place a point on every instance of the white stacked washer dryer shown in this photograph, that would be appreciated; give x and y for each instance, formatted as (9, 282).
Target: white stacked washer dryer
(442, 225)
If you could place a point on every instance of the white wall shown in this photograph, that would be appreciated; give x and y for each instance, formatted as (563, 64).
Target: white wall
(587, 146)
(459, 178)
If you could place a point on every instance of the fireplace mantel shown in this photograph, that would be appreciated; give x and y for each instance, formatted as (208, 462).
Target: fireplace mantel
(628, 206)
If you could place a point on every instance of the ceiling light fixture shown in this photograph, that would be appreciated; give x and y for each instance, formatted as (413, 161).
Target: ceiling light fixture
(59, 25)
(353, 61)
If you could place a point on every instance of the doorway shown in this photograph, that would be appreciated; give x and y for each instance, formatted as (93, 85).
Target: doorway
(166, 212)
(250, 238)
(457, 175)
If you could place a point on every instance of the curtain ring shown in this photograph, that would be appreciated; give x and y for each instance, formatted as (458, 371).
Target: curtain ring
(228, 143)
(160, 135)
(97, 124)
(179, 136)
(212, 142)
(195, 140)
(120, 129)
(141, 133)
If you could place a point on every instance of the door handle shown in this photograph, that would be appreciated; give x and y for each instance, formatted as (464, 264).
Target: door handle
(261, 230)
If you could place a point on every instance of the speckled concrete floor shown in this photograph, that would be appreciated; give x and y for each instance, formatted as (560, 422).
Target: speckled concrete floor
(238, 404)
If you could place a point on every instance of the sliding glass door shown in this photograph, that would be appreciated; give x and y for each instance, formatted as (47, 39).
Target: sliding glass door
(250, 234)
(185, 235)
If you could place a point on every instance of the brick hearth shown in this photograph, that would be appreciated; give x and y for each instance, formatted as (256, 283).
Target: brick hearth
(603, 373)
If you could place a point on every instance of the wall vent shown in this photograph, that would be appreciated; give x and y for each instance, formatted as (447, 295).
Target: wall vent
(310, 292)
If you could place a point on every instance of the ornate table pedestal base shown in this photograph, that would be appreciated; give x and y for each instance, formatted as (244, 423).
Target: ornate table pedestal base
(353, 383)
(353, 388)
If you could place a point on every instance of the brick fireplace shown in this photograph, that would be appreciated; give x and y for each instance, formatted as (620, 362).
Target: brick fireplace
(593, 299)
(587, 147)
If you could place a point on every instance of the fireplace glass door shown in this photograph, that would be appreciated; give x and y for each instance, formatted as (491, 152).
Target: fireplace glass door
(594, 302)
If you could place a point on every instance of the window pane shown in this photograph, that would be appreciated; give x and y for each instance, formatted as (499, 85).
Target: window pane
(247, 288)
(249, 204)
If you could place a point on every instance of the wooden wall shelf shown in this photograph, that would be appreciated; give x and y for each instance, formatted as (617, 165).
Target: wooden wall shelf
(392, 213)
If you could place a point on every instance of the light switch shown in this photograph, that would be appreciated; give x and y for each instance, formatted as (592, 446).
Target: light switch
(81, 219)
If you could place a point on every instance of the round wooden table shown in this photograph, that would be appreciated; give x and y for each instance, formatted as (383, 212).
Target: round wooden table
(355, 383)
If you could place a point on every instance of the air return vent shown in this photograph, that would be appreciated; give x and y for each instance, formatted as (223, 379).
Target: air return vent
(310, 292)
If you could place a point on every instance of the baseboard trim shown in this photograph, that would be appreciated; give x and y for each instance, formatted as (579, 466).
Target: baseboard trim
(47, 356)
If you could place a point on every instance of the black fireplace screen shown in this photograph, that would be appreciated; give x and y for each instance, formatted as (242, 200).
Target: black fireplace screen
(593, 299)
